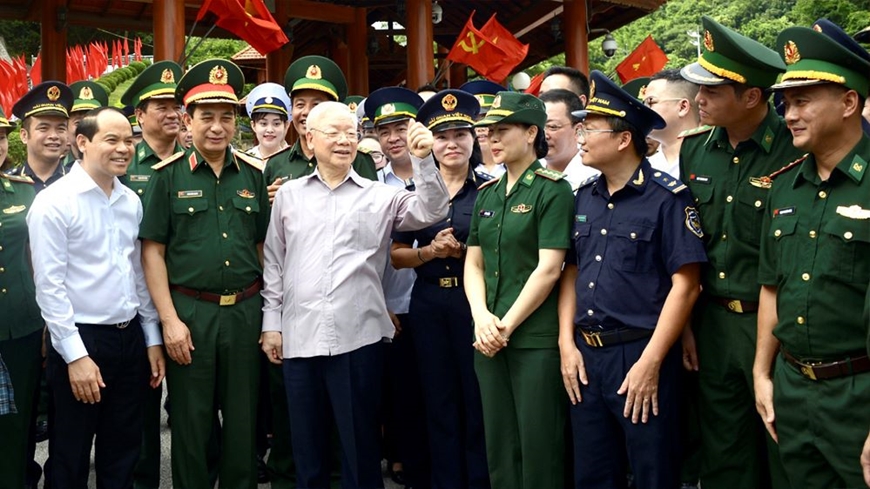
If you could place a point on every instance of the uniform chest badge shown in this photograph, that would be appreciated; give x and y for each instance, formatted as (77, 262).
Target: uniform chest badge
(693, 222)
(189, 194)
(580, 218)
(140, 178)
(787, 211)
(15, 209)
(486, 214)
(700, 178)
(761, 182)
(521, 209)
(851, 212)
(245, 194)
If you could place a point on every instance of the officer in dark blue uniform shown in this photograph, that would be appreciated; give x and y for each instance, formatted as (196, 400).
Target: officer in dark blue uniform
(631, 278)
(439, 310)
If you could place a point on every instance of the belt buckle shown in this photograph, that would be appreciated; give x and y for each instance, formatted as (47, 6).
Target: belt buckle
(123, 325)
(735, 306)
(228, 300)
(448, 282)
(592, 339)
(808, 370)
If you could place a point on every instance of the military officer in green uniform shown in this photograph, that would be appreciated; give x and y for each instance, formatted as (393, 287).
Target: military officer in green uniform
(21, 328)
(205, 217)
(88, 95)
(815, 268)
(519, 233)
(152, 95)
(310, 80)
(727, 169)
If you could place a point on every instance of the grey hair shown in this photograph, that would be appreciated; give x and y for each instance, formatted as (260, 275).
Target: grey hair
(328, 108)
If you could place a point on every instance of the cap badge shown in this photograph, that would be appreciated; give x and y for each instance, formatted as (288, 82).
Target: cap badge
(53, 93)
(480, 99)
(496, 103)
(314, 72)
(792, 55)
(449, 102)
(591, 89)
(352, 106)
(387, 109)
(218, 75)
(708, 41)
(268, 100)
(641, 94)
(86, 94)
(167, 76)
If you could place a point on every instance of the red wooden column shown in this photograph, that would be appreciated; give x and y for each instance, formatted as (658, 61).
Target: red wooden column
(169, 32)
(358, 66)
(576, 35)
(418, 26)
(278, 60)
(53, 57)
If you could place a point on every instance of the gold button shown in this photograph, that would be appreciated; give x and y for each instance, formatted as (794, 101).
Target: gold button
(823, 194)
(447, 267)
(801, 320)
(736, 160)
(721, 274)
(140, 191)
(227, 263)
(248, 209)
(604, 232)
(724, 237)
(3, 290)
(805, 277)
(190, 209)
(1, 248)
(777, 233)
(812, 234)
(591, 285)
(220, 208)
(224, 235)
(496, 273)
(729, 198)
(757, 203)
(610, 205)
(590, 312)
(657, 174)
(633, 235)
(2, 270)
(847, 235)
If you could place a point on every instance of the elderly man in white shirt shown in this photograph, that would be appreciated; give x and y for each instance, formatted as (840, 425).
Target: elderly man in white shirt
(325, 316)
(105, 343)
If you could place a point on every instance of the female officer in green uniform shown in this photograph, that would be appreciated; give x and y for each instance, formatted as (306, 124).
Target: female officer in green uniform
(21, 328)
(519, 233)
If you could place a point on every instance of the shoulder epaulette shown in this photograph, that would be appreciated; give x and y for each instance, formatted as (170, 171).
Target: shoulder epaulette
(17, 178)
(487, 184)
(670, 183)
(695, 131)
(482, 177)
(589, 181)
(364, 151)
(788, 166)
(550, 174)
(168, 161)
(249, 159)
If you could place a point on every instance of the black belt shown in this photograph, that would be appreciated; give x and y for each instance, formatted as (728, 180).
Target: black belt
(599, 339)
(121, 325)
(443, 282)
(229, 299)
(851, 365)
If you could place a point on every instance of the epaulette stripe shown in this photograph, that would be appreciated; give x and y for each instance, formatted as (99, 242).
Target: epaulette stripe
(250, 160)
(17, 178)
(486, 184)
(695, 131)
(788, 166)
(167, 161)
(286, 148)
(550, 174)
(678, 189)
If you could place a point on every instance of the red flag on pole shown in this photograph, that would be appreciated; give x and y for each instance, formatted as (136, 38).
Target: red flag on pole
(248, 19)
(20, 76)
(36, 71)
(647, 59)
(126, 59)
(535, 84)
(137, 49)
(474, 49)
(515, 50)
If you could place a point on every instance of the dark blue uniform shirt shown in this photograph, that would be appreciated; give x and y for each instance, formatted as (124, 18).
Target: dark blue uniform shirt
(628, 245)
(38, 185)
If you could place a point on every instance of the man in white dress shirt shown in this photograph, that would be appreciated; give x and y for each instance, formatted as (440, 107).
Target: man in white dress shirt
(105, 344)
(673, 98)
(564, 153)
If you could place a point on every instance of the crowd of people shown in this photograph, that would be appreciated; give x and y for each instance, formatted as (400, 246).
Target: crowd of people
(659, 285)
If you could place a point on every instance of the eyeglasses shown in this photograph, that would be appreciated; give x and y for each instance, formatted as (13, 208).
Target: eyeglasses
(650, 101)
(376, 155)
(335, 136)
(582, 131)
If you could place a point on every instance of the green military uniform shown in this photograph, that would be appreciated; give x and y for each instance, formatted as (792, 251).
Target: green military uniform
(816, 253)
(211, 226)
(21, 328)
(730, 186)
(521, 388)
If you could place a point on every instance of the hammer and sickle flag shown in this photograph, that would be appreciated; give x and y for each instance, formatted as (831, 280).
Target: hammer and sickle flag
(475, 49)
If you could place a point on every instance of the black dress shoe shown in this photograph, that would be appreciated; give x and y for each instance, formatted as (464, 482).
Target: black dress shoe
(40, 433)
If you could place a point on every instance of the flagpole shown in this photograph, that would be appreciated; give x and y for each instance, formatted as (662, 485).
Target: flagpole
(187, 40)
(193, 50)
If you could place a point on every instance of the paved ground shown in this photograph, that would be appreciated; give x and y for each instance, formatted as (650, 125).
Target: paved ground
(166, 472)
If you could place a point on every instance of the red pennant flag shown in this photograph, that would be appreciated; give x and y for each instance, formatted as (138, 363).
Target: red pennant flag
(70, 66)
(137, 49)
(535, 84)
(36, 71)
(93, 63)
(647, 59)
(20, 76)
(248, 19)
(474, 49)
(126, 60)
(515, 51)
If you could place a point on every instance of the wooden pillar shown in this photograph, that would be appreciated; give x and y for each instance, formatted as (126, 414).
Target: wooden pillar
(418, 26)
(278, 60)
(169, 32)
(53, 52)
(458, 75)
(357, 40)
(576, 35)
(340, 53)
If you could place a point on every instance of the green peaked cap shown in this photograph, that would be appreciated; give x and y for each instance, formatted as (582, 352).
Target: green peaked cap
(637, 87)
(157, 81)
(316, 73)
(812, 58)
(88, 95)
(729, 57)
(515, 108)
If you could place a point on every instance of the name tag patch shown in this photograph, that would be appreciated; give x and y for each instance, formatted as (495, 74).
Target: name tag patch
(140, 178)
(189, 194)
(785, 211)
(486, 214)
(580, 218)
(700, 178)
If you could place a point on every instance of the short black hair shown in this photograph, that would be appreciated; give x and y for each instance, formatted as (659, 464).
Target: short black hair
(578, 81)
(567, 97)
(540, 144)
(638, 140)
(681, 87)
(88, 126)
(256, 116)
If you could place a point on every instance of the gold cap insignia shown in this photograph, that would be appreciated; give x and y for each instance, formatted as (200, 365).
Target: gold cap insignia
(387, 109)
(591, 89)
(352, 106)
(480, 99)
(641, 94)
(817, 28)
(449, 102)
(167, 76)
(86, 93)
(708, 41)
(792, 55)
(314, 72)
(496, 103)
(218, 75)
(53, 93)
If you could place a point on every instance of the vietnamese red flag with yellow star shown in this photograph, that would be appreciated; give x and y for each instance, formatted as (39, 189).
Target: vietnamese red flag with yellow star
(647, 59)
(250, 20)
(515, 51)
(476, 50)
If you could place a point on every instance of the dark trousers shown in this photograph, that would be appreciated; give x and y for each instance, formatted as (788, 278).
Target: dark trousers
(603, 436)
(346, 387)
(147, 473)
(442, 334)
(23, 359)
(115, 421)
